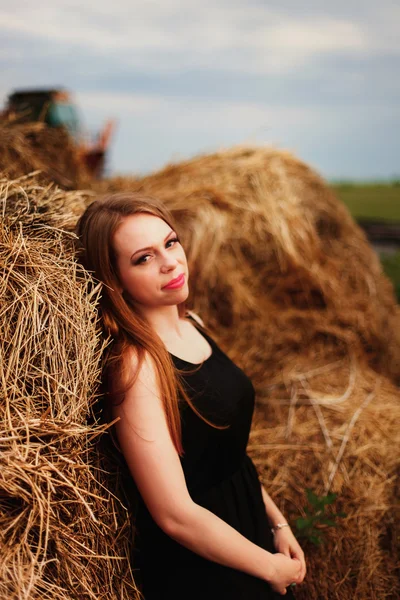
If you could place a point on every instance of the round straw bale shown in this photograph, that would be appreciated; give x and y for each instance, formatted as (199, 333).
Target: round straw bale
(292, 291)
(333, 428)
(291, 288)
(268, 241)
(29, 147)
(63, 532)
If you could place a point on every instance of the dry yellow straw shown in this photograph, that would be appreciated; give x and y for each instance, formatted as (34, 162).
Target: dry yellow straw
(63, 532)
(296, 295)
(293, 292)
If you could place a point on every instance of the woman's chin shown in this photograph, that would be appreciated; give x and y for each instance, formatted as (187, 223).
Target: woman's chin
(184, 294)
(181, 295)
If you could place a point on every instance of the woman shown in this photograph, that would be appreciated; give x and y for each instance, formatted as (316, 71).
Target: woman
(203, 523)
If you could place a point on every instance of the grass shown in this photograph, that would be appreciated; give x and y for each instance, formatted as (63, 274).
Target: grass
(391, 266)
(376, 200)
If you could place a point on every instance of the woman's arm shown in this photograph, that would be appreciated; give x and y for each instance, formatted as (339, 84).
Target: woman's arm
(284, 539)
(145, 441)
(273, 513)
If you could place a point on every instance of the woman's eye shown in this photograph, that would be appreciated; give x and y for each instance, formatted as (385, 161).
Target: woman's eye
(173, 240)
(141, 259)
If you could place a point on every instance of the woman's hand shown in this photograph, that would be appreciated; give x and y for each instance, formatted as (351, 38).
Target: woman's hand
(285, 571)
(286, 543)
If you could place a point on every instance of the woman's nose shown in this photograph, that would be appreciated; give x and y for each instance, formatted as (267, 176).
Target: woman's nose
(168, 262)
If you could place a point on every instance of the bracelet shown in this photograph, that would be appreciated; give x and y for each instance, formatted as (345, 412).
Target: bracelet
(279, 526)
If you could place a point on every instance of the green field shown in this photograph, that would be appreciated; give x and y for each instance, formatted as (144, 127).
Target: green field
(370, 200)
(391, 266)
(378, 201)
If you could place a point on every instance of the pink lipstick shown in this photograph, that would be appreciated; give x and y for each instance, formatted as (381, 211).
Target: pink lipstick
(176, 283)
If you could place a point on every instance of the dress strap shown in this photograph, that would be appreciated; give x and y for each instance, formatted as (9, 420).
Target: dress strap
(195, 317)
(199, 324)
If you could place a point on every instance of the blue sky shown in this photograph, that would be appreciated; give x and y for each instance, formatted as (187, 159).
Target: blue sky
(187, 77)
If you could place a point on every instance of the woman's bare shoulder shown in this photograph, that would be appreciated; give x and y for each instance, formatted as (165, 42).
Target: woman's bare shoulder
(138, 387)
(136, 364)
(131, 366)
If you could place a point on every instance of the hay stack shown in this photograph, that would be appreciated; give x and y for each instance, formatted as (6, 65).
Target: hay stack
(32, 147)
(63, 534)
(268, 242)
(296, 295)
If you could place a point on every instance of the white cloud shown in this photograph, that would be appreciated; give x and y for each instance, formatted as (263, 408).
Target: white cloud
(172, 35)
(333, 69)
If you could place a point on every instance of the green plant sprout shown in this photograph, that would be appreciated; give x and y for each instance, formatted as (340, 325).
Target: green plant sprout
(307, 526)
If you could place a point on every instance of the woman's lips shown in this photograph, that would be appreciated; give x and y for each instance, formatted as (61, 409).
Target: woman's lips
(175, 283)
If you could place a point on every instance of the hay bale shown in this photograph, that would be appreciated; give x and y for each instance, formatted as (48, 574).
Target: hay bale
(268, 242)
(333, 428)
(29, 147)
(296, 295)
(63, 533)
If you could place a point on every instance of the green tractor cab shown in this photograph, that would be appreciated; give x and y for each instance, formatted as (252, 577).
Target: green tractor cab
(53, 107)
(56, 108)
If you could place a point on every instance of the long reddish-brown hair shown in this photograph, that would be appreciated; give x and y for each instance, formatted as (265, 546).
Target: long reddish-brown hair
(128, 329)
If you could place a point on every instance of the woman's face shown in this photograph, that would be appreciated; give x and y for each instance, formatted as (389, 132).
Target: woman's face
(149, 257)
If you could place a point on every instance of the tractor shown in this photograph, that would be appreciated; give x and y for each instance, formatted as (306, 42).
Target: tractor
(56, 108)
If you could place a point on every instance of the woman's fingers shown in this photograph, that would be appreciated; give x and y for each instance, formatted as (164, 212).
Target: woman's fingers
(302, 568)
(299, 555)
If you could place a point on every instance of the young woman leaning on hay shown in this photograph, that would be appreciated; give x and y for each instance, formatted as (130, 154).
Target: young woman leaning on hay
(205, 527)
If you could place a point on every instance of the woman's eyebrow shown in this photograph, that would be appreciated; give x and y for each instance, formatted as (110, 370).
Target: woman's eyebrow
(151, 247)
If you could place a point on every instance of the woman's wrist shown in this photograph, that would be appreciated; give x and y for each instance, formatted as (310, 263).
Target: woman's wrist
(279, 526)
(270, 568)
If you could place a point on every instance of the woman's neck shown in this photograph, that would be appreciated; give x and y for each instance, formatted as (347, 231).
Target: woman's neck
(166, 322)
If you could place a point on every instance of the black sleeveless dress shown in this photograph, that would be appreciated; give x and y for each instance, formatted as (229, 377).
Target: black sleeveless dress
(221, 477)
